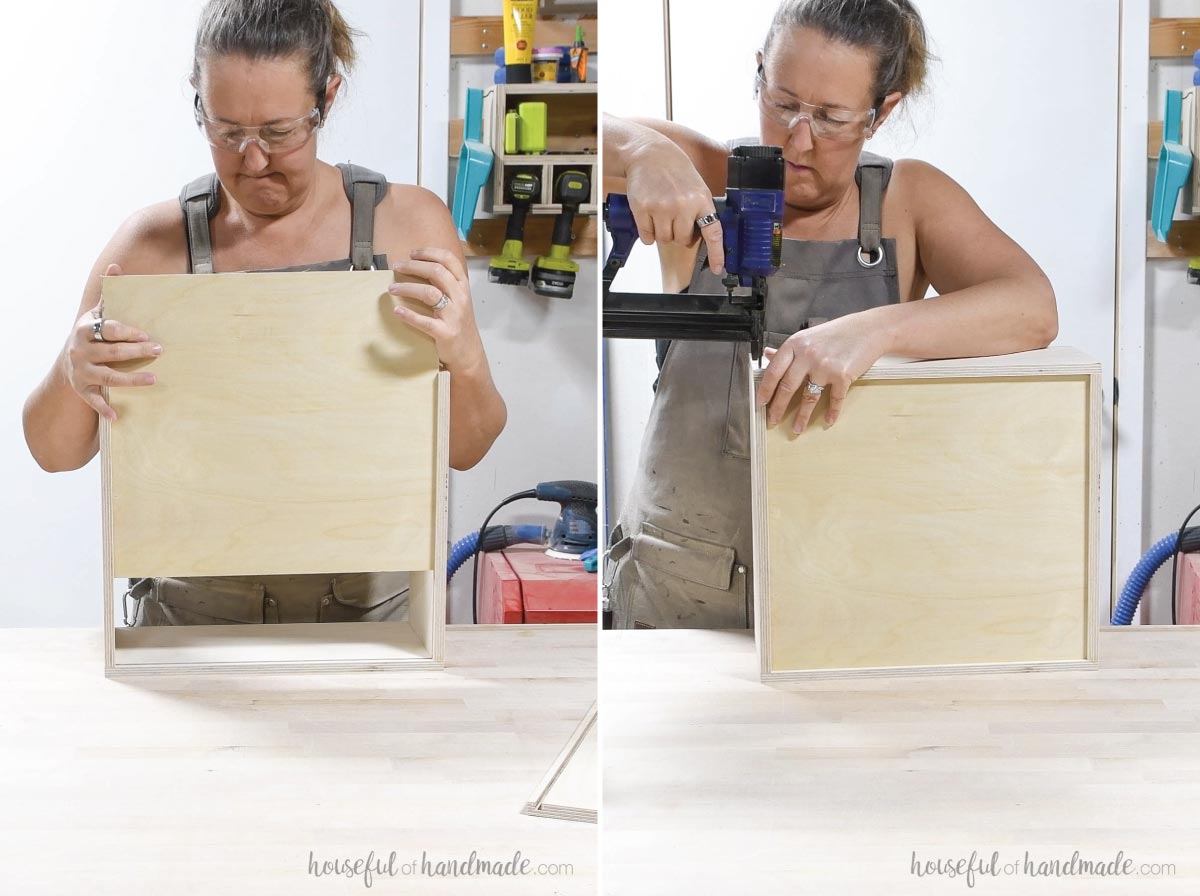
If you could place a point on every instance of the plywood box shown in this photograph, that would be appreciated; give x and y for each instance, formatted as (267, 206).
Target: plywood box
(296, 426)
(946, 523)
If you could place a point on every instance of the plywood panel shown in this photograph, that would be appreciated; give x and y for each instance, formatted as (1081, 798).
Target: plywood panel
(291, 430)
(946, 520)
(570, 790)
(325, 647)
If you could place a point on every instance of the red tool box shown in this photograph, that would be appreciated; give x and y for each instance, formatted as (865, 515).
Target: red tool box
(521, 584)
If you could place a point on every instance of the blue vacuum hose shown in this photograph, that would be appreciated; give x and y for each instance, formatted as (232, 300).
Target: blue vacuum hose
(495, 538)
(1135, 587)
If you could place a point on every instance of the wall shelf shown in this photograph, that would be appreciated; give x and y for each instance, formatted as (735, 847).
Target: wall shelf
(484, 35)
(1182, 242)
(570, 124)
(487, 236)
(1172, 38)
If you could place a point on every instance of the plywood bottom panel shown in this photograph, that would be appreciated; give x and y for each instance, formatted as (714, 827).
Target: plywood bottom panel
(356, 646)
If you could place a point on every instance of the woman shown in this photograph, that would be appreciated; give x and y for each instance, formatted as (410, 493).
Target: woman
(267, 75)
(864, 240)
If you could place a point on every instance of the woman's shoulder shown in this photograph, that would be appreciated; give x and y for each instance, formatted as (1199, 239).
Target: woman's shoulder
(924, 187)
(151, 240)
(407, 199)
(415, 216)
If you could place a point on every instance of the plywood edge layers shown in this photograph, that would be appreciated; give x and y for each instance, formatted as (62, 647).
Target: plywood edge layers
(1055, 361)
(110, 660)
(560, 813)
(1095, 413)
(434, 625)
(136, 670)
(919, 671)
(758, 488)
(536, 804)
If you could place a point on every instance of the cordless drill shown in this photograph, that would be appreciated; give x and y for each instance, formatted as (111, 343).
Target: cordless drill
(752, 225)
(554, 274)
(509, 267)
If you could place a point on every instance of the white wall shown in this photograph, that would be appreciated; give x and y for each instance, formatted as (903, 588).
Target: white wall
(98, 123)
(544, 357)
(1023, 118)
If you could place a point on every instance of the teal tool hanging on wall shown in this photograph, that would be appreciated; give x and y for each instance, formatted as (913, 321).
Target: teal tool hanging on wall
(1174, 166)
(474, 165)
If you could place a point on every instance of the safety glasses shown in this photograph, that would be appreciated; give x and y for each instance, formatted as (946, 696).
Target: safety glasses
(281, 136)
(826, 124)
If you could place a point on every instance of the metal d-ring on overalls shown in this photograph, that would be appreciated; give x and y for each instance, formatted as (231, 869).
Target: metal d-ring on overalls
(350, 597)
(681, 554)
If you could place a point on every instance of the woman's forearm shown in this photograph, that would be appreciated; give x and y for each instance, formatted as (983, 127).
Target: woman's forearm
(994, 318)
(60, 429)
(625, 139)
(477, 413)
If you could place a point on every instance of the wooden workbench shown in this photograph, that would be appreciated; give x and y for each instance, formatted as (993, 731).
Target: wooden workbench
(222, 784)
(715, 783)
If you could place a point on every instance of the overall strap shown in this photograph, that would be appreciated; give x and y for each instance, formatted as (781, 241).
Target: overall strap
(199, 201)
(872, 176)
(365, 189)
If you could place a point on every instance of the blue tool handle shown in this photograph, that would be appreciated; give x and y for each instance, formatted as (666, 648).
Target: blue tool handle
(621, 227)
(473, 121)
(1174, 115)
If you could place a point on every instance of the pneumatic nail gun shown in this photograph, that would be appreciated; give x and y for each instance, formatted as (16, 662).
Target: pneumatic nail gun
(752, 223)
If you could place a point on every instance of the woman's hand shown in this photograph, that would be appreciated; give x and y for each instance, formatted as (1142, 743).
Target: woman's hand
(667, 196)
(451, 326)
(832, 355)
(86, 359)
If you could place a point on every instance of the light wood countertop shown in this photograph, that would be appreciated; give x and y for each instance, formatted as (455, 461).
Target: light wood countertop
(223, 783)
(715, 783)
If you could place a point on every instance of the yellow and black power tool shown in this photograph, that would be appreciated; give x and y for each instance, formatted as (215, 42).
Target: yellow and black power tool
(554, 274)
(509, 267)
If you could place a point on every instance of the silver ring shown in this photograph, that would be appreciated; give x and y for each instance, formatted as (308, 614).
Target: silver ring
(706, 220)
(870, 259)
(441, 303)
(97, 325)
(812, 388)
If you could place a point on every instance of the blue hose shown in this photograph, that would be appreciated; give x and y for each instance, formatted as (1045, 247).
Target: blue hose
(1135, 587)
(463, 548)
(495, 538)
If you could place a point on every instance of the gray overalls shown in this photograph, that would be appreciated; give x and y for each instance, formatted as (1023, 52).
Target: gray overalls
(681, 554)
(349, 597)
